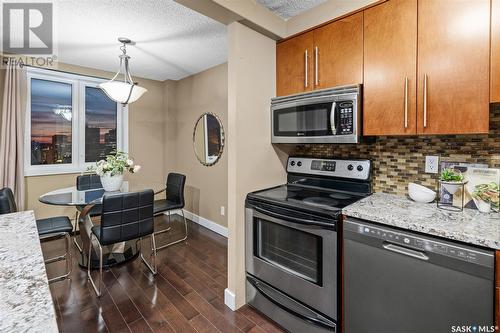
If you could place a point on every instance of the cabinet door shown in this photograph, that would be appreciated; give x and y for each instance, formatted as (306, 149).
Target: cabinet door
(338, 53)
(453, 66)
(390, 68)
(495, 51)
(294, 65)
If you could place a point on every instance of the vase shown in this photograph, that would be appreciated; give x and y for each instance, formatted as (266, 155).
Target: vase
(483, 206)
(111, 183)
(451, 187)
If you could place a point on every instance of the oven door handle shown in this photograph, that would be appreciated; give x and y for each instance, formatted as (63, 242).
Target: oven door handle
(319, 320)
(294, 219)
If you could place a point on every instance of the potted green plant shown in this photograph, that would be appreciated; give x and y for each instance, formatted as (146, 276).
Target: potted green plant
(486, 196)
(112, 169)
(451, 180)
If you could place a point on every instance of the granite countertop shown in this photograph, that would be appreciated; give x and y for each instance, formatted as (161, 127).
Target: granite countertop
(469, 226)
(25, 301)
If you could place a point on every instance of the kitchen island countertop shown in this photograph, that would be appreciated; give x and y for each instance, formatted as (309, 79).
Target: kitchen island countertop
(26, 304)
(469, 226)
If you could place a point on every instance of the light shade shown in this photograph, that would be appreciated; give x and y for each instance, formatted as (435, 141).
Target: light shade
(122, 92)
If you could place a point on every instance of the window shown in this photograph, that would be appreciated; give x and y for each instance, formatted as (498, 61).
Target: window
(70, 123)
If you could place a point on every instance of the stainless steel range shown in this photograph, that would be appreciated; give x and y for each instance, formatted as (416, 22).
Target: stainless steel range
(292, 246)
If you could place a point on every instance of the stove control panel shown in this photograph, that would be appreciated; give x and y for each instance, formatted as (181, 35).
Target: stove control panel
(352, 169)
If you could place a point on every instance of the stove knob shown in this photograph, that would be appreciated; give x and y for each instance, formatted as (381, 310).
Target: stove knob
(350, 167)
(360, 168)
(292, 163)
(299, 163)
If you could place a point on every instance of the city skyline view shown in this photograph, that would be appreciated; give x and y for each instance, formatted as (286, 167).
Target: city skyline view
(51, 123)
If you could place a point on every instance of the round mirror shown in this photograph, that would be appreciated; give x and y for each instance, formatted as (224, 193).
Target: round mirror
(208, 139)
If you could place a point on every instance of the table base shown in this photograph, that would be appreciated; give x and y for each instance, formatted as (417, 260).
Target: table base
(109, 259)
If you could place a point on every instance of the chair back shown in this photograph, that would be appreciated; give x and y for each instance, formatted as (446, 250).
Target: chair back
(175, 188)
(7, 201)
(126, 216)
(88, 182)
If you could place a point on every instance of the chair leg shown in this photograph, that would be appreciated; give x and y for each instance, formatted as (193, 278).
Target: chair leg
(166, 229)
(66, 256)
(180, 240)
(89, 261)
(78, 246)
(153, 268)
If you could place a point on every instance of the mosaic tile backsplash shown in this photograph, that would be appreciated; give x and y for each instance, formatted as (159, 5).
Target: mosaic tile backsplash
(400, 160)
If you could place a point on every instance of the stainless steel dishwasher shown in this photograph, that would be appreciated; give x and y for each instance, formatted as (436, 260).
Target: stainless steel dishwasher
(401, 282)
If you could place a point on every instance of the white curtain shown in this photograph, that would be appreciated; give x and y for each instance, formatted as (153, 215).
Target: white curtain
(12, 133)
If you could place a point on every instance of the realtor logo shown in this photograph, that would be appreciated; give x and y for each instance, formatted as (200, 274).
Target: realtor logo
(27, 28)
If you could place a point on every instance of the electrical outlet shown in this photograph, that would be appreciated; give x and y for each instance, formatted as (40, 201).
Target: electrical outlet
(431, 164)
(222, 210)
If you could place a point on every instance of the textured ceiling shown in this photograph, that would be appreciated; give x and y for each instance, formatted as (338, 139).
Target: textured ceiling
(172, 41)
(289, 8)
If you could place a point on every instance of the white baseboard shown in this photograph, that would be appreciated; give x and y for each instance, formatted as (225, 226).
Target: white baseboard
(230, 299)
(211, 225)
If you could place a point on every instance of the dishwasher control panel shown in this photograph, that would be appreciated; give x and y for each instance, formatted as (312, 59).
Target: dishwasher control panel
(424, 244)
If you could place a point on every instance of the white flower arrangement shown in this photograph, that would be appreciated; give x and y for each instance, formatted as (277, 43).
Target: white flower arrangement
(115, 165)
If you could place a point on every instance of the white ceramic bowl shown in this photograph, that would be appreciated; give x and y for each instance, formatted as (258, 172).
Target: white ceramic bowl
(420, 193)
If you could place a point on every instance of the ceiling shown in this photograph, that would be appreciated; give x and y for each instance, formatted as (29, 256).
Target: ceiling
(289, 8)
(172, 41)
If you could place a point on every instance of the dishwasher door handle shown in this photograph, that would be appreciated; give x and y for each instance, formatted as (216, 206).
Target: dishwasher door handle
(405, 251)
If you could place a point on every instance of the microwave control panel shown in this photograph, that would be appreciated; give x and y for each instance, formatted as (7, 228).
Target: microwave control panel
(346, 118)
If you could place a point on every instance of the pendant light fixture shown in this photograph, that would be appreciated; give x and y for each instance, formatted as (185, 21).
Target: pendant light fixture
(126, 91)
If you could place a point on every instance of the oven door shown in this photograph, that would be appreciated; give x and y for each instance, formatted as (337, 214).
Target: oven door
(295, 253)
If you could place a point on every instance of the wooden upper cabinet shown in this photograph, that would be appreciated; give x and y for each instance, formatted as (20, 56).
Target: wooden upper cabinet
(294, 65)
(453, 66)
(390, 68)
(338, 53)
(495, 51)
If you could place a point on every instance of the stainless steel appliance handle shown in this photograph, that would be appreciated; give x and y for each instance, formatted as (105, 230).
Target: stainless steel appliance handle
(332, 118)
(268, 294)
(306, 69)
(405, 251)
(406, 102)
(316, 77)
(293, 219)
(425, 100)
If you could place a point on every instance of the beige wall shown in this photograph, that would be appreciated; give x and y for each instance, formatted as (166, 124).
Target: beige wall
(257, 17)
(327, 11)
(253, 162)
(146, 145)
(188, 99)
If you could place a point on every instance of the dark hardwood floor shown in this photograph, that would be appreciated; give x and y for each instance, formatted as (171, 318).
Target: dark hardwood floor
(187, 295)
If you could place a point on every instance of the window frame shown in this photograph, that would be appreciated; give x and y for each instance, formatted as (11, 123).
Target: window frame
(79, 83)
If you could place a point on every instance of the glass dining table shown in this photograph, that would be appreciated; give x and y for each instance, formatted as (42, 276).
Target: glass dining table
(71, 196)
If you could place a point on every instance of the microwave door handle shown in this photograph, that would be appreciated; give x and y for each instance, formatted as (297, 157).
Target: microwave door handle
(332, 118)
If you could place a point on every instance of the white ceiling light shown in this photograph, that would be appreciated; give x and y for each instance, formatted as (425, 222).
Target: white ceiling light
(126, 91)
(64, 111)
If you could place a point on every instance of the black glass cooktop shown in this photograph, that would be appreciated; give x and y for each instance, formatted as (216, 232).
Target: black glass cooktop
(307, 197)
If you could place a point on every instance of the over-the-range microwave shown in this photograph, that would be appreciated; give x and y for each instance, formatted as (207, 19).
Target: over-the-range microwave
(323, 116)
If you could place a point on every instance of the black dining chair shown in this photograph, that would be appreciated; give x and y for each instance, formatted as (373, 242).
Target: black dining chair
(84, 183)
(174, 200)
(48, 229)
(125, 217)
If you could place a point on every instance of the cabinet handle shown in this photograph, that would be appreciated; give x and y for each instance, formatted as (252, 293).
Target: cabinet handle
(425, 100)
(316, 78)
(306, 70)
(406, 102)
